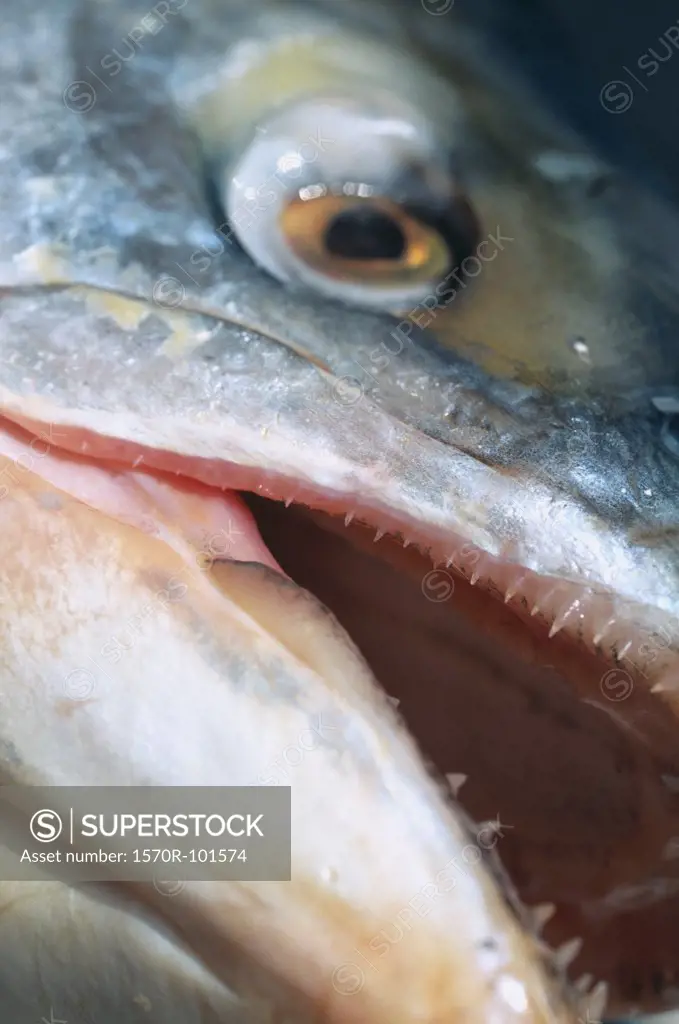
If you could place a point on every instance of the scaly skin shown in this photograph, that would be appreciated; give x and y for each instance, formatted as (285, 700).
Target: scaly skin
(162, 370)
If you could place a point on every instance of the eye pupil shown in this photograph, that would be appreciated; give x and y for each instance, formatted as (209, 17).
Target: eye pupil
(365, 233)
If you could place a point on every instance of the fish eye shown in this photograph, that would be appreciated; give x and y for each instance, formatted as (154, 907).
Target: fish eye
(361, 206)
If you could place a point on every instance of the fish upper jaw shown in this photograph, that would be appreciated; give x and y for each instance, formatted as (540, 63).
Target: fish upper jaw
(510, 533)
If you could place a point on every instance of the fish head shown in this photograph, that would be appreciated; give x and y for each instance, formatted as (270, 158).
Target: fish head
(334, 258)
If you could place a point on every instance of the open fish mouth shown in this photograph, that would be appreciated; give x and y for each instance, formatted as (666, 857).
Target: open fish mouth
(210, 435)
(560, 745)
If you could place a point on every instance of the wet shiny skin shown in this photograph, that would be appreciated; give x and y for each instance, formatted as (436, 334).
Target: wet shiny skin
(98, 211)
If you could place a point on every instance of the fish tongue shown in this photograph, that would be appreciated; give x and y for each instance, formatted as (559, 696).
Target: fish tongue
(128, 662)
(202, 524)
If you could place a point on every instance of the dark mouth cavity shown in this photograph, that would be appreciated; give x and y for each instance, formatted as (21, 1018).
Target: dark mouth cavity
(489, 696)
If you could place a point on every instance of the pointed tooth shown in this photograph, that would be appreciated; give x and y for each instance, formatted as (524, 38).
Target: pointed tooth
(598, 637)
(566, 954)
(596, 1002)
(513, 589)
(583, 983)
(493, 825)
(540, 915)
(545, 599)
(407, 542)
(348, 517)
(666, 686)
(450, 561)
(288, 502)
(456, 781)
(560, 620)
(541, 602)
(475, 577)
(378, 536)
(394, 701)
(621, 654)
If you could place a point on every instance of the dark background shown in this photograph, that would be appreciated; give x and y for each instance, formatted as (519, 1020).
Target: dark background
(572, 48)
